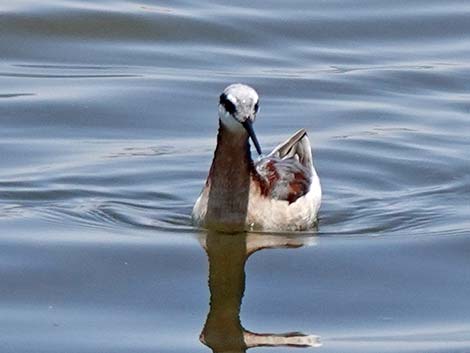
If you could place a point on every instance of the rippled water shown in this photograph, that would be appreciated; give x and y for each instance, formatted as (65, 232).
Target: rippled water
(108, 123)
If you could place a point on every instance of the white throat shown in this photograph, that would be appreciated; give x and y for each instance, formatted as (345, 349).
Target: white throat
(230, 122)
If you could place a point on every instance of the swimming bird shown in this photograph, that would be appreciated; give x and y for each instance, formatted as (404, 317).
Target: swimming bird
(277, 192)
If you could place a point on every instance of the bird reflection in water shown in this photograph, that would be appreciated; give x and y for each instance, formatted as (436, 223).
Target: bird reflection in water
(228, 253)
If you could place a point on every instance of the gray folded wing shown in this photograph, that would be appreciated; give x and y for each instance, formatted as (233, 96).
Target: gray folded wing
(285, 174)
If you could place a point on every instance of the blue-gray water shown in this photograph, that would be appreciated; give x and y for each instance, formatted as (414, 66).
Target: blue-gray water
(107, 127)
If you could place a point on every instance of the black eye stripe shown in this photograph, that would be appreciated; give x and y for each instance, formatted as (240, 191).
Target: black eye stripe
(256, 107)
(223, 99)
(229, 106)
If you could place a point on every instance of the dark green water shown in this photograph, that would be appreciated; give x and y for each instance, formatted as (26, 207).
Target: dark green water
(108, 117)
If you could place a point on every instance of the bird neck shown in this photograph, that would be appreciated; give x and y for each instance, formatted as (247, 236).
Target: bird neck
(229, 181)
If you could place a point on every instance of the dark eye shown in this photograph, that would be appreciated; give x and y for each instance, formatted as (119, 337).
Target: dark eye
(256, 107)
(228, 105)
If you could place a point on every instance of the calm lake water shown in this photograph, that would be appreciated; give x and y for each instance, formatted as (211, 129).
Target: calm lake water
(107, 128)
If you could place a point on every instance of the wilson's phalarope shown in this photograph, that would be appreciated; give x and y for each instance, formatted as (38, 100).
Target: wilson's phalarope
(280, 191)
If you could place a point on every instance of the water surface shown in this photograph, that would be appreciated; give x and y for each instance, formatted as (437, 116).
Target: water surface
(107, 129)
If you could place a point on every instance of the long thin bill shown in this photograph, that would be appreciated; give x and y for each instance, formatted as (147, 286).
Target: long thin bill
(248, 125)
